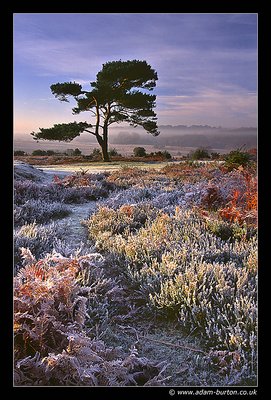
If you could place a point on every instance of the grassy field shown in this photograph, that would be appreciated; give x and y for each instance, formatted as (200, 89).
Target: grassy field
(135, 274)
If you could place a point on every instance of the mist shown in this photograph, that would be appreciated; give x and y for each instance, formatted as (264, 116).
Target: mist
(188, 136)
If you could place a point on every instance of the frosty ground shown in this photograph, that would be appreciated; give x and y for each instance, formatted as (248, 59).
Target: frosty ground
(165, 249)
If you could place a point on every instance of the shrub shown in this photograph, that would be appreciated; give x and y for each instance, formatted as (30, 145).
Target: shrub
(113, 153)
(50, 152)
(77, 152)
(166, 155)
(237, 158)
(39, 152)
(139, 152)
(39, 239)
(183, 267)
(200, 154)
(19, 153)
(96, 155)
(214, 155)
(39, 211)
(77, 188)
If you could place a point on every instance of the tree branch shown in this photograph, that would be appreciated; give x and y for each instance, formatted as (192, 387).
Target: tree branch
(93, 133)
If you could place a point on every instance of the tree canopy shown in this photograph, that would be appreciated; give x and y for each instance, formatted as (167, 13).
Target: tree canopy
(119, 94)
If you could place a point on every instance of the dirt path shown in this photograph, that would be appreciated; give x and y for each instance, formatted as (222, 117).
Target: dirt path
(76, 233)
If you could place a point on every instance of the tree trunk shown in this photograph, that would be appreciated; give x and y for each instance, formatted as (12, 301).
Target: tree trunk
(105, 151)
(104, 144)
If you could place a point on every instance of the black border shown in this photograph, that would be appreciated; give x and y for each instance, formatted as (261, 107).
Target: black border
(7, 191)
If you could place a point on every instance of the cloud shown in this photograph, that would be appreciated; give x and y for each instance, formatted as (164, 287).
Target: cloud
(223, 109)
(206, 63)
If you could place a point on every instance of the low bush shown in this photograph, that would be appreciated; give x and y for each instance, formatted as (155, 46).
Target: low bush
(200, 154)
(236, 158)
(185, 268)
(39, 239)
(39, 211)
(50, 342)
(71, 189)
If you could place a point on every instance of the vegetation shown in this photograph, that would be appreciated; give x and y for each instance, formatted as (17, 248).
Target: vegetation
(166, 279)
(115, 97)
(237, 158)
(199, 154)
(139, 152)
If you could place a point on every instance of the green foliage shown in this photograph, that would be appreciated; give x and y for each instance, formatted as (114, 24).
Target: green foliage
(237, 158)
(39, 152)
(229, 231)
(96, 154)
(61, 132)
(63, 90)
(166, 155)
(215, 155)
(139, 152)
(43, 152)
(77, 152)
(200, 154)
(115, 97)
(113, 153)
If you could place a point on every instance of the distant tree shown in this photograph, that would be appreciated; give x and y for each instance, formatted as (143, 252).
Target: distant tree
(166, 155)
(214, 155)
(19, 153)
(50, 152)
(69, 152)
(115, 97)
(96, 154)
(39, 153)
(77, 152)
(200, 154)
(113, 153)
(139, 152)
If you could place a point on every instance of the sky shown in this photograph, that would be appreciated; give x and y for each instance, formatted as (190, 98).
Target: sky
(206, 64)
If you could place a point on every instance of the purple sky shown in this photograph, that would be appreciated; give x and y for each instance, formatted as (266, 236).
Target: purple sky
(206, 64)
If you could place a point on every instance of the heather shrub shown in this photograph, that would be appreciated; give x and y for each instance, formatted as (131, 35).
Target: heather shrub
(183, 233)
(182, 267)
(69, 192)
(24, 172)
(175, 246)
(39, 211)
(230, 231)
(39, 239)
(129, 196)
(113, 222)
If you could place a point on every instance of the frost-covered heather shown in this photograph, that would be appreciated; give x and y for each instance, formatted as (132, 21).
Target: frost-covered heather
(168, 176)
(40, 211)
(210, 188)
(166, 246)
(23, 171)
(181, 268)
(39, 239)
(51, 345)
(164, 198)
(53, 192)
